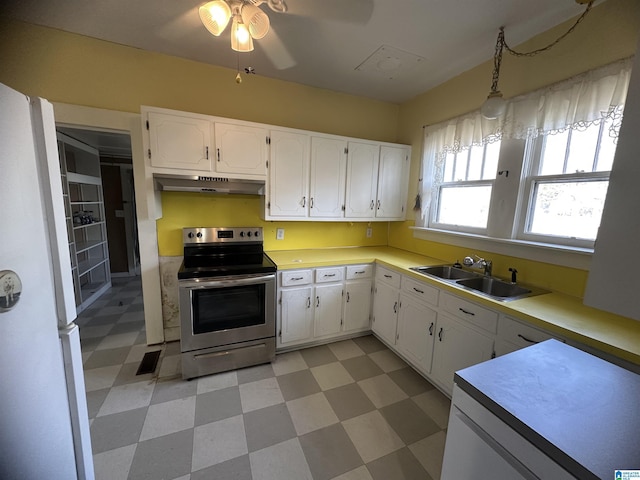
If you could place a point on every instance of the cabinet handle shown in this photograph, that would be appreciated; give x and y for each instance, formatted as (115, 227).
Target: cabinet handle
(311, 202)
(378, 204)
(360, 272)
(296, 278)
(304, 201)
(431, 329)
(308, 302)
(218, 153)
(527, 339)
(317, 301)
(347, 297)
(329, 275)
(387, 276)
(440, 334)
(419, 291)
(207, 152)
(466, 312)
(395, 307)
(372, 205)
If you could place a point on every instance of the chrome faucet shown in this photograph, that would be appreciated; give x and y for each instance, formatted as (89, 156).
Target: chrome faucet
(480, 262)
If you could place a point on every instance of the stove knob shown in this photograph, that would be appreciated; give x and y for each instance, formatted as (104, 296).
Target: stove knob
(248, 234)
(257, 234)
(190, 235)
(242, 234)
(199, 234)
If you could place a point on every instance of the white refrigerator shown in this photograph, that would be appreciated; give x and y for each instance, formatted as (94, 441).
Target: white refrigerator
(44, 426)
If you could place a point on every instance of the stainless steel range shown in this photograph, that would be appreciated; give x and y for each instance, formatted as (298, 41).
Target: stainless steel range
(227, 290)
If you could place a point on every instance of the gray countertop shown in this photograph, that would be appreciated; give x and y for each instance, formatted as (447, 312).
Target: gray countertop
(581, 411)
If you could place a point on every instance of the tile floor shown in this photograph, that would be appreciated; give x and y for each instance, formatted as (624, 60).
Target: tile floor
(351, 410)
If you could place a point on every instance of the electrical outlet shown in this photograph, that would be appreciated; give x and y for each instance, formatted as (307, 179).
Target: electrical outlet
(369, 232)
(280, 234)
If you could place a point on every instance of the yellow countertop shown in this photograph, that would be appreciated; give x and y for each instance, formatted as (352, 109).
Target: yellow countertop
(558, 313)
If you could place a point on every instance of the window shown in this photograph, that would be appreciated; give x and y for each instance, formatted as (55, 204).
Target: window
(464, 195)
(567, 186)
(539, 174)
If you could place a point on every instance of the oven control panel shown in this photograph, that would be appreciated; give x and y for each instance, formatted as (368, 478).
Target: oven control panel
(193, 235)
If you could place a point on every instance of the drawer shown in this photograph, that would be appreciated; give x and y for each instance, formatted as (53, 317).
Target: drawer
(470, 312)
(296, 277)
(359, 271)
(512, 331)
(388, 276)
(420, 290)
(331, 274)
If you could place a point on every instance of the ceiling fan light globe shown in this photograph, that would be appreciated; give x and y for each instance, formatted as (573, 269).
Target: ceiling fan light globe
(241, 40)
(494, 106)
(256, 20)
(215, 16)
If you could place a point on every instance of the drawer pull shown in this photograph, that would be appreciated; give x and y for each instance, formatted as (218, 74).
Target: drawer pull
(360, 272)
(440, 334)
(527, 339)
(297, 278)
(329, 275)
(388, 276)
(431, 329)
(417, 290)
(466, 312)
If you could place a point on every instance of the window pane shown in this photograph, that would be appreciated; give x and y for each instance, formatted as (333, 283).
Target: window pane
(554, 150)
(467, 206)
(460, 173)
(582, 149)
(449, 163)
(476, 155)
(607, 148)
(491, 161)
(571, 209)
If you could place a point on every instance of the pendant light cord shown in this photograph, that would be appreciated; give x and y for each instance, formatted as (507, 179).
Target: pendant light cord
(543, 49)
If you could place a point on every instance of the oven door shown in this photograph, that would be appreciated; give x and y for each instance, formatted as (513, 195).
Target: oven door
(226, 310)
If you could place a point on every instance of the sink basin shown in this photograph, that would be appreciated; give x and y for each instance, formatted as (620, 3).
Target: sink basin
(446, 272)
(494, 287)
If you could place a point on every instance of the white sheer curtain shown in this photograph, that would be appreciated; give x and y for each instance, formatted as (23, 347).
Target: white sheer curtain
(579, 101)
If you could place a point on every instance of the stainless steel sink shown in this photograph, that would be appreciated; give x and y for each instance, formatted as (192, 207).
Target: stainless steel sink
(446, 272)
(495, 287)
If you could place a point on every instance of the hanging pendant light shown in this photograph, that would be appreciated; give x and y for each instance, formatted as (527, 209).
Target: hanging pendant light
(495, 105)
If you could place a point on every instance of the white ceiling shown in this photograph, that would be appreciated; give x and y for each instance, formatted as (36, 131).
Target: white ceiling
(429, 41)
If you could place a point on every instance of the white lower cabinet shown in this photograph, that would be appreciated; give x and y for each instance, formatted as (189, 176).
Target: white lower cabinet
(318, 304)
(385, 304)
(417, 325)
(457, 346)
(514, 335)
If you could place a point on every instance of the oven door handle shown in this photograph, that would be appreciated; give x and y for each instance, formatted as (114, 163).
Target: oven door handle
(221, 282)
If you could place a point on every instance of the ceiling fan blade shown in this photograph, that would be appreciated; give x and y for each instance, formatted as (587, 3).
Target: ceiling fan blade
(348, 11)
(276, 51)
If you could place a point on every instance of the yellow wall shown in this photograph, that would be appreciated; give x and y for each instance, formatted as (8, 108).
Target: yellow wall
(608, 33)
(197, 210)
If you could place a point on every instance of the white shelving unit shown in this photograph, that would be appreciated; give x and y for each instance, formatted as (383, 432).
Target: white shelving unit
(86, 227)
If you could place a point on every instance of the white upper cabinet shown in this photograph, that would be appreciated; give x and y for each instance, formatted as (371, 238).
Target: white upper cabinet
(241, 149)
(362, 179)
(328, 176)
(288, 175)
(181, 142)
(393, 174)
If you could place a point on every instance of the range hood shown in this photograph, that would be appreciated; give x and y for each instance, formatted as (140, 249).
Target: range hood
(199, 184)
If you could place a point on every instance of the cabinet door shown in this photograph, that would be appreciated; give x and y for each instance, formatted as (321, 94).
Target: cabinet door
(181, 142)
(328, 177)
(385, 312)
(296, 314)
(456, 347)
(392, 182)
(416, 332)
(288, 175)
(328, 309)
(241, 149)
(362, 180)
(357, 306)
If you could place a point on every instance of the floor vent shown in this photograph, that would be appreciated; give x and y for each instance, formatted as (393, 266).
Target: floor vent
(149, 363)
